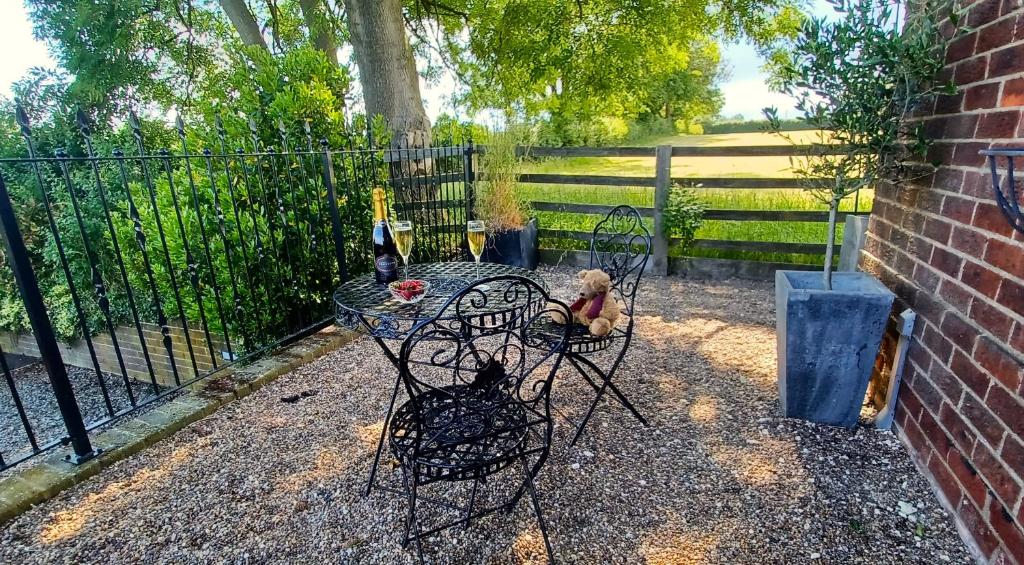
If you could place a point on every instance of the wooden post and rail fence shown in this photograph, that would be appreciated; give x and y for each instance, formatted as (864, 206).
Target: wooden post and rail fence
(662, 182)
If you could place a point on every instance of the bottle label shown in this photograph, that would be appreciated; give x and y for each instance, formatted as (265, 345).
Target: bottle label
(387, 266)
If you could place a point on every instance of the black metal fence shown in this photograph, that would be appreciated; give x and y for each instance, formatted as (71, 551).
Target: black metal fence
(135, 273)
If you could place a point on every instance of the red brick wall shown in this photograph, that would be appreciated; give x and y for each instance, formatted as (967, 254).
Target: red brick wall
(77, 354)
(942, 245)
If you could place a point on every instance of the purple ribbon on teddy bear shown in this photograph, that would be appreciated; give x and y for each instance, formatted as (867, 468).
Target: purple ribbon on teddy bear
(595, 306)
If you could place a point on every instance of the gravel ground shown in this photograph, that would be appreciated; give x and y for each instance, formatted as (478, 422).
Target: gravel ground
(36, 394)
(717, 478)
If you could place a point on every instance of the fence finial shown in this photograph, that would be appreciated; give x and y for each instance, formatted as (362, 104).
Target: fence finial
(133, 120)
(309, 133)
(136, 125)
(254, 134)
(82, 122)
(283, 133)
(179, 124)
(22, 116)
(218, 124)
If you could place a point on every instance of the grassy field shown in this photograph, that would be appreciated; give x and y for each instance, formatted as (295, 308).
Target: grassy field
(732, 199)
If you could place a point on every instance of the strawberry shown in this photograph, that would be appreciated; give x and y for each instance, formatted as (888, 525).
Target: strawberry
(408, 290)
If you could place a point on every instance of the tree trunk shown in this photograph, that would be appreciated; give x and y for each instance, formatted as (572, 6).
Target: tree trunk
(319, 25)
(387, 70)
(244, 22)
(830, 245)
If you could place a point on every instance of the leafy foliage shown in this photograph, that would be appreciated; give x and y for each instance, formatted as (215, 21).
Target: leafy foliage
(684, 214)
(690, 92)
(755, 126)
(279, 203)
(574, 64)
(635, 68)
(128, 53)
(858, 80)
(520, 52)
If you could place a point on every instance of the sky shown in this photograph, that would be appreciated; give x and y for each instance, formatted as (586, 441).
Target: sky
(745, 91)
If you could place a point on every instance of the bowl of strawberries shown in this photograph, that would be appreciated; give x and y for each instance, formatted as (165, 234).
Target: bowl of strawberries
(409, 291)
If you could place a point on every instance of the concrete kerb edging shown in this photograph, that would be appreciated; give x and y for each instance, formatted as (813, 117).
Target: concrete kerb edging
(52, 474)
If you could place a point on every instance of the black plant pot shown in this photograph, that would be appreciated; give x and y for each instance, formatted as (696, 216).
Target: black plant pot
(518, 248)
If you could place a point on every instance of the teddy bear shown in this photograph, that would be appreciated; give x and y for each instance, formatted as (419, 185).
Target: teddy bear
(594, 308)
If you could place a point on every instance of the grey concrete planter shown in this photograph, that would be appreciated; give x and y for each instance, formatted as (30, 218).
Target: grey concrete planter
(827, 342)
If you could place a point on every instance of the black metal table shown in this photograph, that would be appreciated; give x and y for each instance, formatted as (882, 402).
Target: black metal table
(363, 305)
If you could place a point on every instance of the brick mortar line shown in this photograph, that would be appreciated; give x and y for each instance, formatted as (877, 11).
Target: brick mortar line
(934, 451)
(1012, 508)
(989, 140)
(958, 404)
(1000, 80)
(938, 216)
(976, 111)
(949, 307)
(1000, 47)
(52, 474)
(977, 32)
(964, 196)
(943, 276)
(958, 253)
(968, 354)
(962, 255)
(922, 467)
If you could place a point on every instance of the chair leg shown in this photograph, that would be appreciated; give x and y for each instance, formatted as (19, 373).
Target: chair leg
(383, 435)
(412, 525)
(586, 418)
(583, 372)
(472, 500)
(540, 514)
(412, 509)
(606, 385)
(618, 393)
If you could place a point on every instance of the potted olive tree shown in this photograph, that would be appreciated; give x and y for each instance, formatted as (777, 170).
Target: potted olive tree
(829, 325)
(512, 232)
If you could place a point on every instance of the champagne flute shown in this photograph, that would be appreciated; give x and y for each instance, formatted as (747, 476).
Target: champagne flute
(476, 235)
(403, 241)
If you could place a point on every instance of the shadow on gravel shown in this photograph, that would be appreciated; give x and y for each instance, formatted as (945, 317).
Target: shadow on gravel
(718, 477)
(37, 399)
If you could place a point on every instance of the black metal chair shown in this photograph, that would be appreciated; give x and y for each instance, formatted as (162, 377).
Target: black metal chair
(479, 398)
(621, 247)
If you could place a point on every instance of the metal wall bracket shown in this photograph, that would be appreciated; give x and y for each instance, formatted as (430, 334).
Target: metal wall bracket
(1008, 198)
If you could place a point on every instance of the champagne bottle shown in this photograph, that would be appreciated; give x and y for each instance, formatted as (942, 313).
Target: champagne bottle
(385, 261)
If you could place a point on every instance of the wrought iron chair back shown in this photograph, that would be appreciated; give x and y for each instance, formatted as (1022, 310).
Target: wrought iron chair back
(621, 247)
(475, 378)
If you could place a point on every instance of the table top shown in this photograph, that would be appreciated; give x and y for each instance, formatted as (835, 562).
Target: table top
(363, 304)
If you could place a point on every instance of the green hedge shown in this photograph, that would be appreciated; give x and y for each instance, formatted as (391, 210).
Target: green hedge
(754, 126)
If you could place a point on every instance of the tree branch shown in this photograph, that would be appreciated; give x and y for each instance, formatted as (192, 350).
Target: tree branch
(244, 23)
(320, 31)
(275, 14)
(438, 7)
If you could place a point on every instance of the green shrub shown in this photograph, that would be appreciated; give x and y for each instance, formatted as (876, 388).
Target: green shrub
(615, 129)
(891, 68)
(754, 126)
(684, 215)
(650, 127)
(688, 127)
(287, 88)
